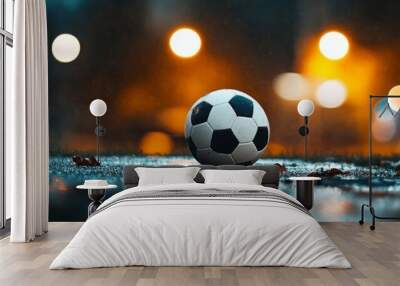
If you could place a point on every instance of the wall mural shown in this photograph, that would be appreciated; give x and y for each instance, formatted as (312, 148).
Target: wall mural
(225, 81)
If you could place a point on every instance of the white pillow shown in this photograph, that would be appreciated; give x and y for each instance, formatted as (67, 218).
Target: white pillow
(248, 177)
(166, 176)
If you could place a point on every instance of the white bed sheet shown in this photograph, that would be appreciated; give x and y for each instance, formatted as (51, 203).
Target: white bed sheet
(200, 231)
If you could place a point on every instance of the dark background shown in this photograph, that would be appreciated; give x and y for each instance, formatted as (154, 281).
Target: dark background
(125, 60)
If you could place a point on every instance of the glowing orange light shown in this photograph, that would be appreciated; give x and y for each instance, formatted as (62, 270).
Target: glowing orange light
(58, 184)
(334, 45)
(185, 42)
(156, 143)
(358, 71)
(173, 119)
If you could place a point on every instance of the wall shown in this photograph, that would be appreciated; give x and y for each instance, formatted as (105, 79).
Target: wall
(125, 60)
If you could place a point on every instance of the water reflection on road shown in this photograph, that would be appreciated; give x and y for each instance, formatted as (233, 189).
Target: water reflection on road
(336, 199)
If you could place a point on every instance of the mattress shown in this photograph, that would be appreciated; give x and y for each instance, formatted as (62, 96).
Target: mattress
(201, 225)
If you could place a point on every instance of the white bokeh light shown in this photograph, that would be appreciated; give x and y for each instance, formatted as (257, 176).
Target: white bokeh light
(98, 108)
(305, 107)
(331, 93)
(333, 45)
(291, 86)
(65, 48)
(185, 42)
(394, 103)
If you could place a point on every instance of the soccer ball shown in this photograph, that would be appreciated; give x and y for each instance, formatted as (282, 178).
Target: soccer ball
(227, 126)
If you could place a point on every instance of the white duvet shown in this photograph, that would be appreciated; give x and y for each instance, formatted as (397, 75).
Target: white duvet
(200, 231)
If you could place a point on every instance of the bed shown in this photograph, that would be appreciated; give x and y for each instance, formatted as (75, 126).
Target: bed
(197, 224)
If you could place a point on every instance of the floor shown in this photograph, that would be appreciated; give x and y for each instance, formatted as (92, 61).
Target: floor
(375, 257)
(5, 231)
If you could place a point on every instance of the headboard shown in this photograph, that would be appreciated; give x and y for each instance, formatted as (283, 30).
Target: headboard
(271, 177)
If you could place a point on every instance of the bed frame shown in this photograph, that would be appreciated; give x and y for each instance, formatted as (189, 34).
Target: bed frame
(271, 177)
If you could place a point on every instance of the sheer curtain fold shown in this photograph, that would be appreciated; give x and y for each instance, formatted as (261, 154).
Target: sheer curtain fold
(27, 142)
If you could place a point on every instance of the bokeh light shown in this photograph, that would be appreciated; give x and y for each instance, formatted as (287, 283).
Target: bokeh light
(185, 42)
(98, 107)
(383, 130)
(305, 107)
(334, 45)
(382, 111)
(394, 103)
(58, 183)
(291, 86)
(331, 93)
(173, 119)
(137, 102)
(156, 143)
(65, 48)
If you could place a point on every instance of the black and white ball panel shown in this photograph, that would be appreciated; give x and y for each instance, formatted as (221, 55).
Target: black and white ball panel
(242, 151)
(242, 106)
(244, 129)
(221, 116)
(192, 148)
(261, 138)
(224, 141)
(259, 115)
(201, 135)
(219, 96)
(201, 112)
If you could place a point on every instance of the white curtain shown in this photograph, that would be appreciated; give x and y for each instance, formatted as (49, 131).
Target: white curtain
(27, 151)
